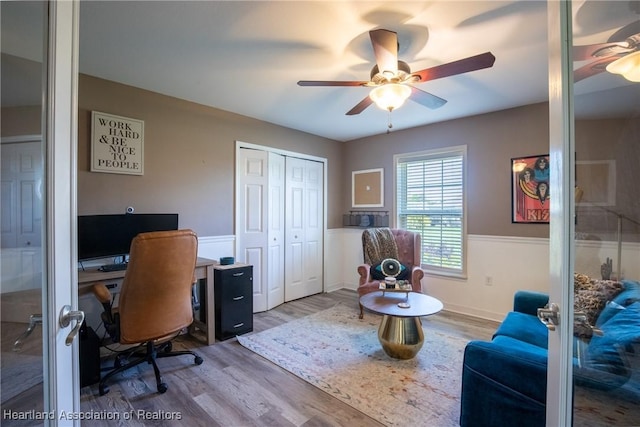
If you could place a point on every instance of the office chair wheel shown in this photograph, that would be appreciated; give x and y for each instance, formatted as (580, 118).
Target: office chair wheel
(117, 363)
(198, 360)
(103, 389)
(162, 387)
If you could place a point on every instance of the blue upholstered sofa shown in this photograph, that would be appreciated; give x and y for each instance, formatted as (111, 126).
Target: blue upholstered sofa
(504, 381)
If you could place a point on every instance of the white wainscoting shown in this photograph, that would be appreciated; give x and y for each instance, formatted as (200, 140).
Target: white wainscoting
(216, 247)
(512, 263)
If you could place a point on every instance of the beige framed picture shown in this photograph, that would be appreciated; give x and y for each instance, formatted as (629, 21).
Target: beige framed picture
(597, 180)
(367, 188)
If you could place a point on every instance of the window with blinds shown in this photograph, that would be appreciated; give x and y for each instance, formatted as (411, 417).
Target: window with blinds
(430, 200)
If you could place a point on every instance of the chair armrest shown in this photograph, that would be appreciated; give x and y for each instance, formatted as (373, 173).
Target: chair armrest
(503, 385)
(417, 274)
(514, 365)
(364, 272)
(101, 292)
(529, 302)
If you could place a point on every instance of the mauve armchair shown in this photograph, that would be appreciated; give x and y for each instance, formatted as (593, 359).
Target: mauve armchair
(409, 250)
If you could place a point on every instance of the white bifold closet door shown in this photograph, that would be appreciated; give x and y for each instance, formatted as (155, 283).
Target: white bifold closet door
(279, 229)
(304, 228)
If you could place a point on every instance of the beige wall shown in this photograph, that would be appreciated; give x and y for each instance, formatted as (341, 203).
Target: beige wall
(617, 140)
(19, 121)
(190, 159)
(492, 140)
(189, 155)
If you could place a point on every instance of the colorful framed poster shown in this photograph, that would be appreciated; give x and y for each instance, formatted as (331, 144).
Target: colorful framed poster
(530, 197)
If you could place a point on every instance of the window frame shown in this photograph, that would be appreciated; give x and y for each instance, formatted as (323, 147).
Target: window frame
(459, 150)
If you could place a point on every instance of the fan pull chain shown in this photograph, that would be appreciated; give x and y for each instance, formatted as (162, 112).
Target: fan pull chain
(389, 125)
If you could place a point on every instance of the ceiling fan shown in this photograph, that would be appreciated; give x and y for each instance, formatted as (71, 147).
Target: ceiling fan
(392, 79)
(624, 43)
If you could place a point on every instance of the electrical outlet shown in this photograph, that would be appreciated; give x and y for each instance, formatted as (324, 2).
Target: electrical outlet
(488, 281)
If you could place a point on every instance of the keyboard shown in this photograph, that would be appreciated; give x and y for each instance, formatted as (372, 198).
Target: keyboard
(113, 267)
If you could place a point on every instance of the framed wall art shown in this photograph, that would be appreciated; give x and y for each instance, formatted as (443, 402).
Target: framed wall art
(367, 188)
(597, 181)
(117, 144)
(530, 198)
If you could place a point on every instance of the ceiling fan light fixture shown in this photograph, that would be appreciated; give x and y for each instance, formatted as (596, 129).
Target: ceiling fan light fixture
(628, 66)
(390, 96)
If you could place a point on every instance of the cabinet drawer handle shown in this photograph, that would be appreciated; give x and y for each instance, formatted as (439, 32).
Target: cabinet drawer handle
(238, 274)
(238, 298)
(238, 325)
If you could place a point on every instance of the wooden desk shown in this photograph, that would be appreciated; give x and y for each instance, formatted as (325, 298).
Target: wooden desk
(204, 271)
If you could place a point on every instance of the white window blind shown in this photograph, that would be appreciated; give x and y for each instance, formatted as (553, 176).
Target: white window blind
(430, 201)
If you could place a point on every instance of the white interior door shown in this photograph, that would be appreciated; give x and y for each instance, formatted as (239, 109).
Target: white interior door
(304, 209)
(22, 191)
(43, 373)
(591, 380)
(252, 182)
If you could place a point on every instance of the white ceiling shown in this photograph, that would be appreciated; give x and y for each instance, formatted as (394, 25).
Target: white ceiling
(246, 57)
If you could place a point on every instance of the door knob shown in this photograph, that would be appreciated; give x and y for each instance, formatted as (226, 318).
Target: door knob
(66, 316)
(550, 317)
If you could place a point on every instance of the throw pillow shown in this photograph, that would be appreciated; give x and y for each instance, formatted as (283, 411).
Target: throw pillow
(390, 268)
(591, 298)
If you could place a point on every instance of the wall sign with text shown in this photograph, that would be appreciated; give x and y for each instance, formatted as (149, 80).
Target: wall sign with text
(117, 144)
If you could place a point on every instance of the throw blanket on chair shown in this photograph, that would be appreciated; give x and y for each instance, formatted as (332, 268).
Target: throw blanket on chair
(378, 244)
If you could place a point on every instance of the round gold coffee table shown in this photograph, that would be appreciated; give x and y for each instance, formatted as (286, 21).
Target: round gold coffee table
(400, 332)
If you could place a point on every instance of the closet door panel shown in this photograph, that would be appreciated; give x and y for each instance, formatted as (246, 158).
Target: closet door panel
(304, 228)
(251, 229)
(276, 262)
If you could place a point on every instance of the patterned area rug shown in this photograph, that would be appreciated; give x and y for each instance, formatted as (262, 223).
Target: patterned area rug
(340, 354)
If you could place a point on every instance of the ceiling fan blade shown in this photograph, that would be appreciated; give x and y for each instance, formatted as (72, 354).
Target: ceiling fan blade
(472, 63)
(427, 99)
(385, 48)
(362, 105)
(329, 83)
(581, 53)
(593, 68)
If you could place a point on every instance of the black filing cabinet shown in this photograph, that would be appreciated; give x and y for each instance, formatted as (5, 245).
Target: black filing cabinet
(234, 300)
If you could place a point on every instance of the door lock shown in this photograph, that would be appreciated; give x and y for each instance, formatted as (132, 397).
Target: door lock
(550, 317)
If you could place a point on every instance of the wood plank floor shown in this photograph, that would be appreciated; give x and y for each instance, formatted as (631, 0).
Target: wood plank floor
(233, 387)
(236, 387)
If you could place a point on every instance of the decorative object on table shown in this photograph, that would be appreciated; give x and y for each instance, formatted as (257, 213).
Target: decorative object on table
(376, 219)
(367, 188)
(227, 260)
(390, 282)
(530, 198)
(606, 269)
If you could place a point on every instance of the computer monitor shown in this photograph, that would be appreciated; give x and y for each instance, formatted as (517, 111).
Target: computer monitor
(104, 236)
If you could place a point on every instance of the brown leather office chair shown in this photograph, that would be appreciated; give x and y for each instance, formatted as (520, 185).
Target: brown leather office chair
(406, 245)
(155, 300)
